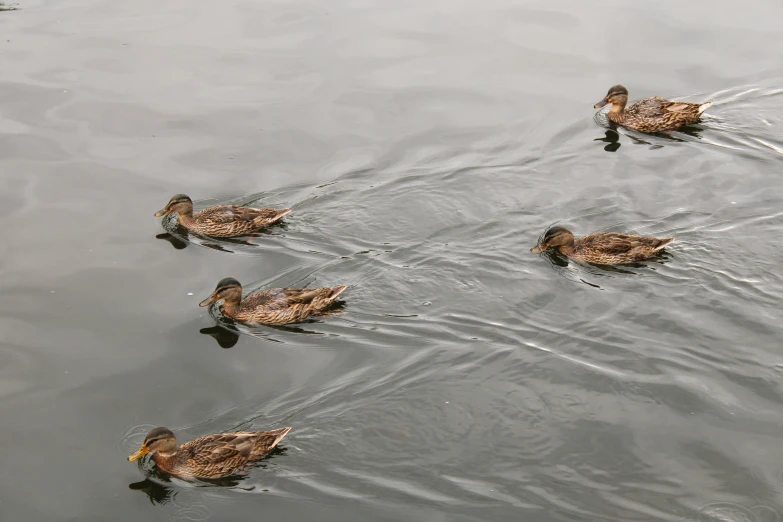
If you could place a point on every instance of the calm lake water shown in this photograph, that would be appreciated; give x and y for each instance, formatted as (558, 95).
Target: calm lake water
(424, 148)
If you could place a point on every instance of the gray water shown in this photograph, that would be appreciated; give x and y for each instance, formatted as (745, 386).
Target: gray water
(424, 147)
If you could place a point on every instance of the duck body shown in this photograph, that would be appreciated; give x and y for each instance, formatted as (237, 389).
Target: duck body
(211, 456)
(651, 114)
(602, 248)
(275, 306)
(231, 220)
(221, 220)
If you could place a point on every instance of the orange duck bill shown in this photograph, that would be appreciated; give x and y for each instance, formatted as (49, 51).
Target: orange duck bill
(209, 300)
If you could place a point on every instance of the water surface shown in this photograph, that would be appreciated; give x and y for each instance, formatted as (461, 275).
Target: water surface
(424, 148)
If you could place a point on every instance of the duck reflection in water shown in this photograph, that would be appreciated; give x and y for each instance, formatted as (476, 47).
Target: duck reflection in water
(225, 337)
(157, 493)
(612, 139)
(174, 240)
(180, 242)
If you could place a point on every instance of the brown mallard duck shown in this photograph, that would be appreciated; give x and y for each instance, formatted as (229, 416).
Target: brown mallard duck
(602, 248)
(273, 306)
(221, 220)
(212, 456)
(651, 114)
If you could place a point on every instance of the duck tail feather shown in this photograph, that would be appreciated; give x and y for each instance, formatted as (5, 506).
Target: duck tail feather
(282, 212)
(662, 242)
(337, 290)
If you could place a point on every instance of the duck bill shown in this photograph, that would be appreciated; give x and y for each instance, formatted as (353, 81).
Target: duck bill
(600, 104)
(209, 300)
(162, 212)
(139, 453)
(538, 248)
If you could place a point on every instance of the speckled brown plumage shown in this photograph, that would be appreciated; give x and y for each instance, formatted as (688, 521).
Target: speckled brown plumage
(212, 456)
(602, 248)
(273, 306)
(221, 220)
(651, 114)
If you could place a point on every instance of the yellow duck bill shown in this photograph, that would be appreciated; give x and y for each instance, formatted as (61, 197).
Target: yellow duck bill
(139, 453)
(538, 248)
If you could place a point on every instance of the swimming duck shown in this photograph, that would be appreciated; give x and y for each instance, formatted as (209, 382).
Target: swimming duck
(221, 220)
(602, 248)
(651, 114)
(212, 456)
(273, 306)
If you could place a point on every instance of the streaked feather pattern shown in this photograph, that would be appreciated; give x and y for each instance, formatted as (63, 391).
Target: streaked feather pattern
(219, 455)
(221, 220)
(651, 114)
(602, 248)
(231, 220)
(272, 306)
(610, 248)
(657, 115)
(283, 305)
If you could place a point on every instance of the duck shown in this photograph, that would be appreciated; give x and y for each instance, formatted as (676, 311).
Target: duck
(651, 114)
(221, 220)
(212, 456)
(602, 248)
(274, 306)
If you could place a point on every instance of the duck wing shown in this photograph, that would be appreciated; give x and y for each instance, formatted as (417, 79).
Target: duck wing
(648, 107)
(224, 454)
(273, 298)
(277, 298)
(615, 243)
(225, 214)
(657, 107)
(218, 455)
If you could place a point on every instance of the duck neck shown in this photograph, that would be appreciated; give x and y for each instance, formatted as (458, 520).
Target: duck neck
(165, 462)
(617, 112)
(231, 306)
(185, 217)
(566, 250)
